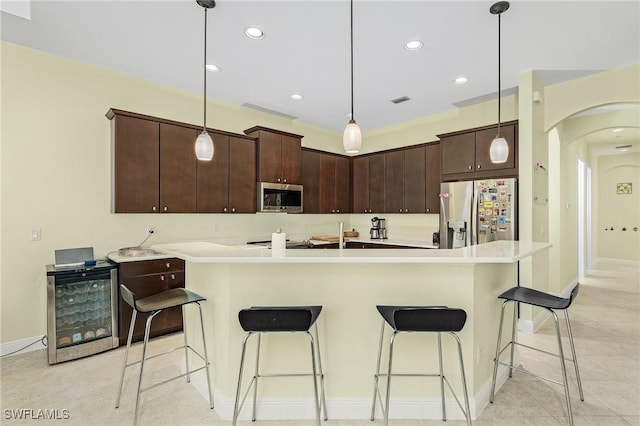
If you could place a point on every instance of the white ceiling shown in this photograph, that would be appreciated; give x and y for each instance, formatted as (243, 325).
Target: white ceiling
(306, 49)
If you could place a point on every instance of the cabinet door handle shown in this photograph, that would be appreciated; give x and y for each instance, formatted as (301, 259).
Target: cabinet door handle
(338, 211)
(278, 179)
(224, 210)
(333, 211)
(470, 168)
(400, 210)
(161, 277)
(173, 276)
(428, 210)
(233, 209)
(406, 210)
(284, 180)
(154, 208)
(479, 166)
(166, 208)
(168, 265)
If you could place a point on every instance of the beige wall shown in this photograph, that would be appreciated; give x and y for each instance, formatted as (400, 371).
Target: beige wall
(55, 166)
(618, 211)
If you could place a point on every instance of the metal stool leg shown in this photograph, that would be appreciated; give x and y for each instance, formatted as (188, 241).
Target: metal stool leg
(147, 331)
(464, 380)
(236, 407)
(322, 395)
(126, 354)
(186, 349)
(375, 377)
(564, 369)
(514, 327)
(573, 354)
(388, 395)
(444, 411)
(206, 357)
(315, 378)
(255, 378)
(496, 359)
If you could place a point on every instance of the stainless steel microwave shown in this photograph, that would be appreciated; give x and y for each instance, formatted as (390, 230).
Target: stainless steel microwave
(279, 197)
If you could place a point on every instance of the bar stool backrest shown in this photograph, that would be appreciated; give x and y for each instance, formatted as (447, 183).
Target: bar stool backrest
(128, 296)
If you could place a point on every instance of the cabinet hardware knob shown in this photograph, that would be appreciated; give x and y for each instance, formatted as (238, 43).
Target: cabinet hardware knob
(406, 210)
(400, 210)
(284, 180)
(470, 167)
(168, 265)
(278, 179)
(428, 210)
(479, 166)
(161, 277)
(154, 208)
(233, 209)
(224, 210)
(338, 211)
(166, 208)
(173, 276)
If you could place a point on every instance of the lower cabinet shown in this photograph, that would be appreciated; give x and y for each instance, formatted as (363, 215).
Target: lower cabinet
(359, 245)
(146, 278)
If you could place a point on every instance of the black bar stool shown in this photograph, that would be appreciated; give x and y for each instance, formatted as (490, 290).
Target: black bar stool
(430, 319)
(552, 304)
(272, 319)
(154, 305)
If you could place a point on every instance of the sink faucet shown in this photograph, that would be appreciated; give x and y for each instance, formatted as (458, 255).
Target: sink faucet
(341, 235)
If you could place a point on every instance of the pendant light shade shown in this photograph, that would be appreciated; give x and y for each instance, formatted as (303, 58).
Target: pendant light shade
(204, 143)
(499, 149)
(352, 136)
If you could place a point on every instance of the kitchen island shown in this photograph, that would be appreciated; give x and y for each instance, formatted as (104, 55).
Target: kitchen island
(349, 283)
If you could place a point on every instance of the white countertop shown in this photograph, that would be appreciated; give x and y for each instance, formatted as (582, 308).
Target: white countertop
(493, 252)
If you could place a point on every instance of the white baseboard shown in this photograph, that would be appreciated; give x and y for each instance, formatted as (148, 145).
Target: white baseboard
(22, 346)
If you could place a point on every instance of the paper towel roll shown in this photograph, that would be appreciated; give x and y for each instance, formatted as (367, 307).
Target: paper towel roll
(278, 241)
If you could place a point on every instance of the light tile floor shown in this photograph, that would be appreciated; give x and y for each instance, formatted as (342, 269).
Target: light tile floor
(606, 325)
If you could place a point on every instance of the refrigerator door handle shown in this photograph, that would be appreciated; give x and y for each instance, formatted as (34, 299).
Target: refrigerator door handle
(473, 220)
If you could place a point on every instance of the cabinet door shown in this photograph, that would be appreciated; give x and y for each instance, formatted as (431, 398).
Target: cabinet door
(177, 169)
(136, 165)
(291, 152)
(483, 143)
(327, 183)
(394, 182)
(343, 185)
(269, 157)
(432, 187)
(361, 184)
(213, 178)
(311, 181)
(414, 180)
(458, 153)
(242, 175)
(376, 183)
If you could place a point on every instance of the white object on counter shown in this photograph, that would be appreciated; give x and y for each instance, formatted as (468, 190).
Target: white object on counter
(278, 240)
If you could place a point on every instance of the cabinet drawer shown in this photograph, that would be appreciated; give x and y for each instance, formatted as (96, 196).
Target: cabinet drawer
(146, 267)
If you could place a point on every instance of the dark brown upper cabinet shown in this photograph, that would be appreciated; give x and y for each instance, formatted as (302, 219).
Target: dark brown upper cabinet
(327, 182)
(154, 165)
(279, 155)
(405, 180)
(432, 187)
(465, 154)
(369, 183)
(227, 183)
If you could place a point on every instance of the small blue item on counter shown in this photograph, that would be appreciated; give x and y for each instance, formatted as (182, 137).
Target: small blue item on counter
(76, 337)
(90, 262)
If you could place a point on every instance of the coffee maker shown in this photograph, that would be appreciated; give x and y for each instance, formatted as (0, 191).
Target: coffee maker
(378, 230)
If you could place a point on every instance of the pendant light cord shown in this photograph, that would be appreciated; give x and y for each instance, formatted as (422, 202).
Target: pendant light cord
(204, 69)
(499, 89)
(352, 116)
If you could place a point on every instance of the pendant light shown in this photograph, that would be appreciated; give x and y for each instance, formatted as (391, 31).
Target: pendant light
(499, 149)
(352, 137)
(204, 143)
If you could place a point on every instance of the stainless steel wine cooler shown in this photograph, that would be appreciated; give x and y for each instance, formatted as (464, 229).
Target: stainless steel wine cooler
(81, 310)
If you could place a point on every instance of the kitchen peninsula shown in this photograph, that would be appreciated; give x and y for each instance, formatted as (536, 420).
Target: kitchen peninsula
(348, 283)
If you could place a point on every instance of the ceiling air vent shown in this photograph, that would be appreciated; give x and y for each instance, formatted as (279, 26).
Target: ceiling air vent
(623, 147)
(400, 100)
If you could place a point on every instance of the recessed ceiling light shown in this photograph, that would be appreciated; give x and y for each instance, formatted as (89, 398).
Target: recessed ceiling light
(213, 68)
(460, 80)
(254, 33)
(297, 97)
(413, 45)
(619, 129)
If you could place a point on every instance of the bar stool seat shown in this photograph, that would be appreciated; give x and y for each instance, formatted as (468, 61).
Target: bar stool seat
(552, 304)
(429, 319)
(153, 305)
(278, 319)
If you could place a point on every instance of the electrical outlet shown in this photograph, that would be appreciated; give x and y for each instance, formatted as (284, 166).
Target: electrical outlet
(150, 229)
(35, 234)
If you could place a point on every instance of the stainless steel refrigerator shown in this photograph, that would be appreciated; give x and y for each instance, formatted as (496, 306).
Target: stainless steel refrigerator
(476, 212)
